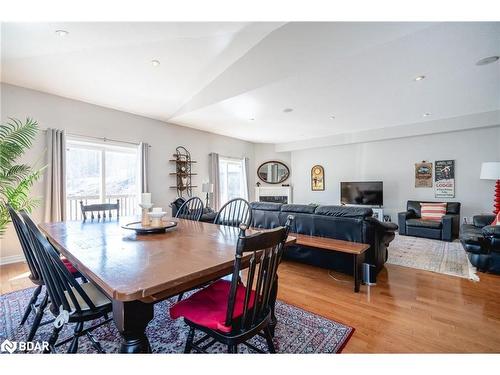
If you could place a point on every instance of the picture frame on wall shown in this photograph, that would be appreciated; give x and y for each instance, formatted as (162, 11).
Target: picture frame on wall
(423, 175)
(317, 178)
(444, 178)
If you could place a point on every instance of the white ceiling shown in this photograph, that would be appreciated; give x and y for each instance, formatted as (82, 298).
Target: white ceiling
(218, 76)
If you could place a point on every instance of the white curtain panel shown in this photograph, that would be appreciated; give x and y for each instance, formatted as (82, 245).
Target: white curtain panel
(144, 166)
(213, 177)
(246, 164)
(55, 176)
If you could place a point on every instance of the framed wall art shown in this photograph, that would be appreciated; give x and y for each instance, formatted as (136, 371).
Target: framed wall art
(317, 178)
(444, 179)
(423, 175)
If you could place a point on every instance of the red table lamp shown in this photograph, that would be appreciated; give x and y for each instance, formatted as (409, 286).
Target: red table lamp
(491, 171)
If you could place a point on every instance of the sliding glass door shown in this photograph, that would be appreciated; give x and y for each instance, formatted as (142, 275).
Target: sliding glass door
(101, 173)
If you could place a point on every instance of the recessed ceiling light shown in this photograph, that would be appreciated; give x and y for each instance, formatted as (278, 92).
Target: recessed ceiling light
(488, 60)
(419, 78)
(155, 62)
(288, 110)
(62, 32)
(427, 114)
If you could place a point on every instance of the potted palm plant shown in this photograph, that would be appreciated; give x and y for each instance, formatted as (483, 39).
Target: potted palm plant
(16, 179)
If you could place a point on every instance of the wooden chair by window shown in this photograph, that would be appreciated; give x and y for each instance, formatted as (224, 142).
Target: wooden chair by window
(35, 275)
(83, 302)
(237, 312)
(100, 209)
(234, 213)
(192, 209)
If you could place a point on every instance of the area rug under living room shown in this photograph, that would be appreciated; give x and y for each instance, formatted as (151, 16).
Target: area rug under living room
(448, 258)
(298, 331)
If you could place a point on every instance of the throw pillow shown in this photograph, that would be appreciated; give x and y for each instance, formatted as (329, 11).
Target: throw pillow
(432, 211)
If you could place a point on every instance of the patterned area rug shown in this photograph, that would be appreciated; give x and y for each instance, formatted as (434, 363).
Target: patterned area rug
(298, 331)
(448, 258)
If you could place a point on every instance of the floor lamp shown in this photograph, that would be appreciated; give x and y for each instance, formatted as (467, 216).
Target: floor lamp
(491, 171)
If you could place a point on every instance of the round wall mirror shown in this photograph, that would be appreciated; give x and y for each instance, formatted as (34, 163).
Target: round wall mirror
(273, 172)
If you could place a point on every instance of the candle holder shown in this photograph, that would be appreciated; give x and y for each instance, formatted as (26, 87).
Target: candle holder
(156, 218)
(145, 219)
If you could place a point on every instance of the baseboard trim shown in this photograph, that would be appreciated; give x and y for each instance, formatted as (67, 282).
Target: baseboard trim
(11, 259)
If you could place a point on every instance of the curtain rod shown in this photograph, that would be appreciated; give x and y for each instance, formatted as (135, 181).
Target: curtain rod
(99, 138)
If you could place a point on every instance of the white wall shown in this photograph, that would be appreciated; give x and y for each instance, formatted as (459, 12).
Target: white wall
(392, 161)
(87, 119)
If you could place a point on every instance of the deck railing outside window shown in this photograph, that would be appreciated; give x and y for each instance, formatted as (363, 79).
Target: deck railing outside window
(128, 205)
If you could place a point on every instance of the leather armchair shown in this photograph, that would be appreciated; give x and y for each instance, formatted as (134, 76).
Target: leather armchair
(402, 217)
(481, 241)
(411, 224)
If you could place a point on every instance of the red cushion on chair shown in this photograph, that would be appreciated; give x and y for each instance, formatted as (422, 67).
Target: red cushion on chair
(69, 266)
(208, 307)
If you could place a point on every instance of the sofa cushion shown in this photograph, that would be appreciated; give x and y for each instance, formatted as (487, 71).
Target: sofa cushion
(266, 206)
(344, 211)
(424, 223)
(299, 208)
(425, 232)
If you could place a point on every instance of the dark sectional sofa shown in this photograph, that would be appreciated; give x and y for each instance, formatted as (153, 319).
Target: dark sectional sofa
(482, 243)
(341, 222)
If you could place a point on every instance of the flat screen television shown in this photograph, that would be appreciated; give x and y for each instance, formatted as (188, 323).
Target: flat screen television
(370, 193)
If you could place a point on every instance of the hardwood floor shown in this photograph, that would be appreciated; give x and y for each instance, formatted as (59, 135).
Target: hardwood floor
(13, 277)
(407, 311)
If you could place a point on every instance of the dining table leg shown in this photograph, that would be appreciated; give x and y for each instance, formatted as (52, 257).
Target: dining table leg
(131, 319)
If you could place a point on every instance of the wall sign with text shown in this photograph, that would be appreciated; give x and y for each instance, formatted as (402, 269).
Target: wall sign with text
(423, 175)
(444, 177)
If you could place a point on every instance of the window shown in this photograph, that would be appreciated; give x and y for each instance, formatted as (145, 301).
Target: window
(101, 173)
(233, 181)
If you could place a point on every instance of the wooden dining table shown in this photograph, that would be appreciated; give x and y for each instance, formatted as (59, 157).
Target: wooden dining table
(136, 271)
